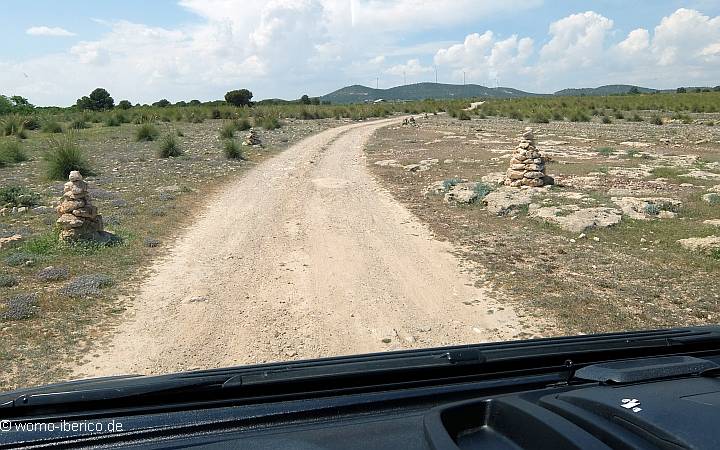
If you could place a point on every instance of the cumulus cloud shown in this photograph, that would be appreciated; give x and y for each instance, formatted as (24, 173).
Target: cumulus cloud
(285, 48)
(48, 31)
(684, 48)
(411, 68)
(484, 58)
(637, 41)
(576, 40)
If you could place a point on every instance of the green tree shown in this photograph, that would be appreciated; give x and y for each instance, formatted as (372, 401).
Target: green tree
(305, 100)
(681, 90)
(196, 102)
(162, 103)
(239, 97)
(124, 104)
(634, 90)
(98, 100)
(5, 105)
(19, 101)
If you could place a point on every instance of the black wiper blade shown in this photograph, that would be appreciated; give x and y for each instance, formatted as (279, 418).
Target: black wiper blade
(402, 367)
(448, 358)
(107, 389)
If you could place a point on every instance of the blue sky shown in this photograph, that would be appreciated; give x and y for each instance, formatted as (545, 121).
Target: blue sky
(184, 49)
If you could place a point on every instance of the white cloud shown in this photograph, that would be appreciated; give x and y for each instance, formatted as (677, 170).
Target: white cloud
(414, 15)
(683, 36)
(411, 68)
(48, 31)
(483, 58)
(638, 40)
(285, 48)
(577, 40)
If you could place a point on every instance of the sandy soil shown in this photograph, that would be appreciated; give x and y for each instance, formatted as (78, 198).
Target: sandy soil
(305, 256)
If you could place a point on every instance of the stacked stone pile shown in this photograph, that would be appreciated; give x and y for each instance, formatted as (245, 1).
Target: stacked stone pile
(527, 166)
(78, 217)
(252, 138)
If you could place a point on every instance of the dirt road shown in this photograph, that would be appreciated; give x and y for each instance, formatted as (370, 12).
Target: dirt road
(305, 256)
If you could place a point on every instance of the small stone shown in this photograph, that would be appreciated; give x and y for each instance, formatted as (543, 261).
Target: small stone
(75, 176)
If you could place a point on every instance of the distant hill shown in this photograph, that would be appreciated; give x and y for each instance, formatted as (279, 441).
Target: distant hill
(609, 89)
(420, 91)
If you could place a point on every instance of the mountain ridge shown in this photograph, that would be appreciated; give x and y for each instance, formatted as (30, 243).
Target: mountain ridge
(358, 93)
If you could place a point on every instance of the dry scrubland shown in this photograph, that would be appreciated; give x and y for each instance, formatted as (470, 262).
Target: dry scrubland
(631, 275)
(48, 317)
(55, 300)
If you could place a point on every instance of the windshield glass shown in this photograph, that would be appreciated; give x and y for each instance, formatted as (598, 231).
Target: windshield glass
(203, 184)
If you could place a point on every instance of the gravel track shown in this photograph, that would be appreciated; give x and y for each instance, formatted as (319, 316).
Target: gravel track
(305, 256)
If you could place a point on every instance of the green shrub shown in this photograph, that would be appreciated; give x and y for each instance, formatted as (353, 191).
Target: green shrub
(463, 115)
(578, 116)
(11, 152)
(169, 147)
(605, 151)
(606, 119)
(8, 280)
(515, 114)
(18, 196)
(619, 115)
(269, 123)
(652, 209)
(232, 150)
(656, 120)
(635, 118)
(146, 132)
(78, 124)
(112, 121)
(482, 189)
(13, 125)
(540, 117)
(51, 125)
(31, 123)
(63, 156)
(242, 124)
(450, 182)
(227, 131)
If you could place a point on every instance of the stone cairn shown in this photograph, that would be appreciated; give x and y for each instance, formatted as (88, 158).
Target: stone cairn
(78, 217)
(252, 138)
(527, 166)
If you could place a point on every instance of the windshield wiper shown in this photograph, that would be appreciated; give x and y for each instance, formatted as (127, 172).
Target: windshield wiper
(397, 368)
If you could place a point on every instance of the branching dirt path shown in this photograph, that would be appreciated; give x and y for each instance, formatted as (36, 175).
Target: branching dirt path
(305, 256)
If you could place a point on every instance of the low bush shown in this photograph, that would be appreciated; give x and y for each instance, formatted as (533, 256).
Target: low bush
(482, 189)
(112, 121)
(269, 123)
(242, 124)
(606, 119)
(169, 147)
(8, 280)
(78, 124)
(13, 125)
(146, 132)
(605, 151)
(51, 126)
(19, 307)
(86, 285)
(227, 131)
(11, 152)
(232, 150)
(656, 120)
(635, 118)
(18, 196)
(540, 117)
(63, 156)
